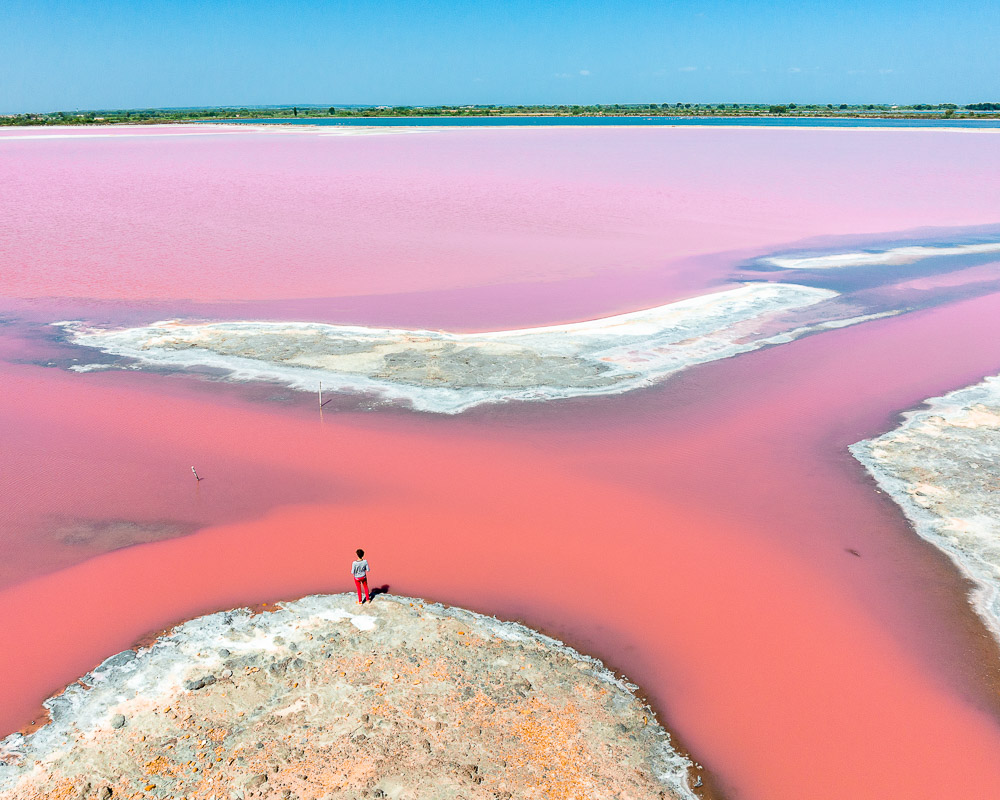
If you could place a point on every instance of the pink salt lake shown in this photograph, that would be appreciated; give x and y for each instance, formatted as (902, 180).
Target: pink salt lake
(693, 535)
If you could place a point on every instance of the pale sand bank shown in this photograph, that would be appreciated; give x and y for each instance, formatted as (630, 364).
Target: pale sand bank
(448, 373)
(942, 466)
(895, 256)
(319, 699)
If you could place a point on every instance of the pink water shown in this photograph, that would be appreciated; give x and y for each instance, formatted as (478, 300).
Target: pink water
(294, 215)
(692, 535)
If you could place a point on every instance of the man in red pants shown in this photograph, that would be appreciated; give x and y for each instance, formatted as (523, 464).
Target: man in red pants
(359, 569)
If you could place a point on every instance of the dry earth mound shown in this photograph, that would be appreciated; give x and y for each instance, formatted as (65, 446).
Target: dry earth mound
(321, 699)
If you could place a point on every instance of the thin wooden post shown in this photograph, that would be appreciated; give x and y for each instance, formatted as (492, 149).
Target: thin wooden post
(321, 394)
(197, 477)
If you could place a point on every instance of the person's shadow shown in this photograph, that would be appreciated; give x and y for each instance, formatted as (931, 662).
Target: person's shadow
(377, 590)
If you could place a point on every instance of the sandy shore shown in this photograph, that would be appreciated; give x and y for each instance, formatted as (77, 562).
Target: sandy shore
(321, 699)
(942, 467)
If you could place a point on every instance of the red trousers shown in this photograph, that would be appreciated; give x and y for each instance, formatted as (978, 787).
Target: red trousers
(359, 582)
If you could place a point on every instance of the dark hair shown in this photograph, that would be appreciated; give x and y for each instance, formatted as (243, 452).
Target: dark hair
(360, 552)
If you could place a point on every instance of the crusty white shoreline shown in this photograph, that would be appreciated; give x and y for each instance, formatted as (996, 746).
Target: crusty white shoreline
(942, 467)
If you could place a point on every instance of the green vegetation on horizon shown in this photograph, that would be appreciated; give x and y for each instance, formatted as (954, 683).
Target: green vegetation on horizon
(162, 115)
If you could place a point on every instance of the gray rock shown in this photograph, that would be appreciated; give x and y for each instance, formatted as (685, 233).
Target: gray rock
(195, 684)
(279, 668)
(118, 721)
(255, 780)
(117, 660)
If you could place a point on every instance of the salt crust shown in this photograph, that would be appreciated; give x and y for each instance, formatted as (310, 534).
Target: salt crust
(157, 674)
(942, 466)
(896, 256)
(449, 373)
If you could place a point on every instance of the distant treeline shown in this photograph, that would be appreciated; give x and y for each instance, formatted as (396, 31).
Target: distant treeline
(104, 117)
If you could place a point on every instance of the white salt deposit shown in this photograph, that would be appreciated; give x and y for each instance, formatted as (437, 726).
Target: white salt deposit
(448, 373)
(896, 256)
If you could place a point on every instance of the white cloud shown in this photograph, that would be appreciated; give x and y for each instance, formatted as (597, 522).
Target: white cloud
(687, 69)
(795, 69)
(585, 72)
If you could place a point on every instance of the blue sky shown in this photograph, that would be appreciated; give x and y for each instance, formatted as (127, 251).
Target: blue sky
(66, 54)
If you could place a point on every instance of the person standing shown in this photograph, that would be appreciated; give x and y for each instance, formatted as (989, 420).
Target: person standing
(359, 570)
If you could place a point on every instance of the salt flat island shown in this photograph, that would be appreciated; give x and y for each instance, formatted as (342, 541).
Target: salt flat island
(942, 466)
(317, 699)
(450, 372)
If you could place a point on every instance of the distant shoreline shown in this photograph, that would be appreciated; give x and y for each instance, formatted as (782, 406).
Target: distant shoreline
(333, 126)
(449, 115)
(435, 123)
